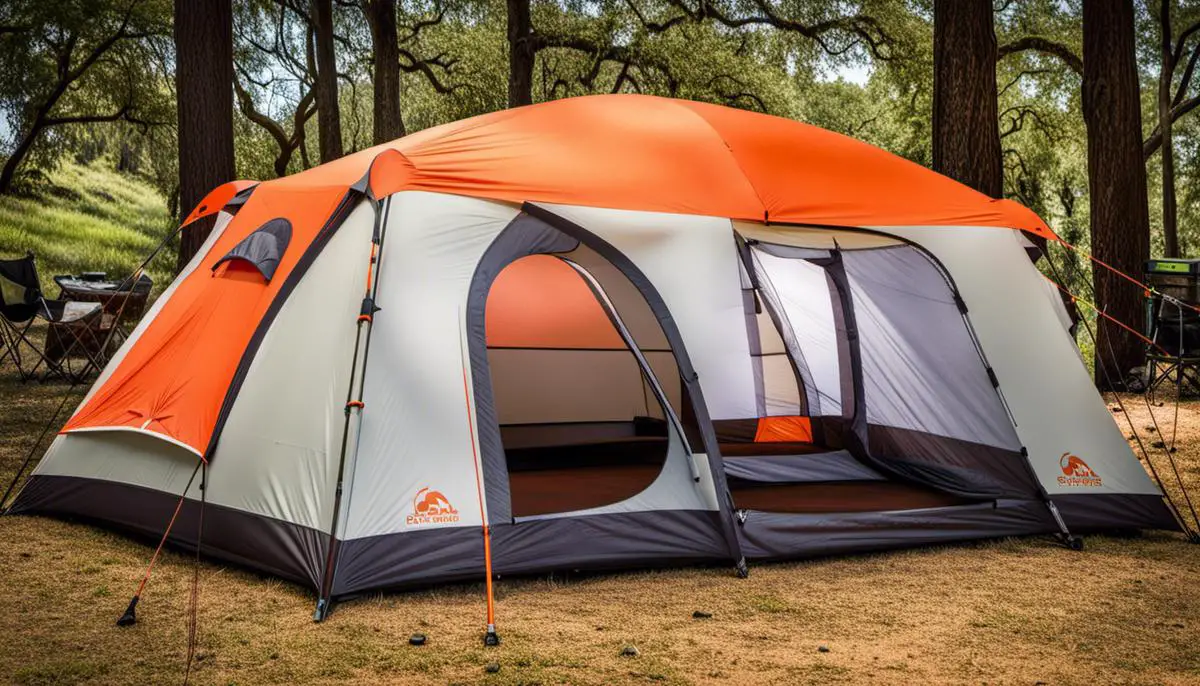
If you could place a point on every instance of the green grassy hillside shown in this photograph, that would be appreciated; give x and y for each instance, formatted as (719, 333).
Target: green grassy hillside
(88, 218)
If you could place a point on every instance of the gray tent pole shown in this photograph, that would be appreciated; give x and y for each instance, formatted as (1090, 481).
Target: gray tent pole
(354, 402)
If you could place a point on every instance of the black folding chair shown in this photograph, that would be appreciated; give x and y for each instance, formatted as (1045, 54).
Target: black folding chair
(22, 304)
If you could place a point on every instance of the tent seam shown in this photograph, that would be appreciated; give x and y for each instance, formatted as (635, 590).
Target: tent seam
(684, 104)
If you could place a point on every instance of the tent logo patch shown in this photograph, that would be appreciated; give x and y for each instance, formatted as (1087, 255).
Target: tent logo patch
(431, 507)
(1076, 472)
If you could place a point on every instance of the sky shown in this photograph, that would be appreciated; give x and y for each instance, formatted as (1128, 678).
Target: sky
(857, 73)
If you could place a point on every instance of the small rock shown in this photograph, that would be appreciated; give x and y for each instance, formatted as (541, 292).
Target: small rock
(273, 656)
(416, 640)
(492, 667)
(1116, 410)
(1178, 625)
(1149, 429)
(1039, 683)
(823, 648)
(701, 614)
(26, 554)
(1158, 444)
(630, 651)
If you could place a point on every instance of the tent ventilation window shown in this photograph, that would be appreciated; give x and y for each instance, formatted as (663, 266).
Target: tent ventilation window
(262, 249)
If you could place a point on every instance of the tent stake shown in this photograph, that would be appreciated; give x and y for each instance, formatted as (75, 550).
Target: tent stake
(130, 616)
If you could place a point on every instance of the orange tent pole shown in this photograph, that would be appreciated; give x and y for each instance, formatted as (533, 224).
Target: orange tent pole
(490, 638)
(1109, 317)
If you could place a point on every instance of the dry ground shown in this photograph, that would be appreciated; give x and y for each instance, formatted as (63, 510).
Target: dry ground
(1005, 612)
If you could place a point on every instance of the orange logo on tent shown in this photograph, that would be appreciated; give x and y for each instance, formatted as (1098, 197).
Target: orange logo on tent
(431, 507)
(1076, 472)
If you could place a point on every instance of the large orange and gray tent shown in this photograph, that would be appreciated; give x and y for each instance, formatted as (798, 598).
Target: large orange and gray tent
(611, 331)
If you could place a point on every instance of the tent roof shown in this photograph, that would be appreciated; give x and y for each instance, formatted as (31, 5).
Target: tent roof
(647, 153)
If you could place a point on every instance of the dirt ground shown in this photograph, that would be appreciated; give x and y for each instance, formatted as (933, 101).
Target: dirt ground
(1027, 611)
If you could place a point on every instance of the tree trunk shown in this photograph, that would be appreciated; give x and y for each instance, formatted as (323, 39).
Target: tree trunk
(1170, 228)
(381, 17)
(204, 89)
(521, 53)
(1116, 178)
(966, 130)
(329, 120)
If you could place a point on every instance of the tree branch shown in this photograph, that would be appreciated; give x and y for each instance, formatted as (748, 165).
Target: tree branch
(864, 29)
(1018, 77)
(1186, 80)
(1044, 46)
(425, 66)
(1154, 142)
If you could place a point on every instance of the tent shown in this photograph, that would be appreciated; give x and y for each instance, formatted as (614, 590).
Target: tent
(601, 332)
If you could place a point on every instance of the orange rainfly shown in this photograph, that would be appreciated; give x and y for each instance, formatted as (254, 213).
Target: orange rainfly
(174, 381)
(626, 152)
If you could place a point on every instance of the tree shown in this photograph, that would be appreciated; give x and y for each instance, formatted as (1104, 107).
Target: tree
(1120, 221)
(276, 76)
(1171, 55)
(329, 119)
(1041, 133)
(391, 56)
(204, 88)
(288, 143)
(75, 63)
(966, 135)
(387, 121)
(522, 51)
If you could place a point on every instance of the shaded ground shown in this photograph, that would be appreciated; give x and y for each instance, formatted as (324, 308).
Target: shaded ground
(1005, 612)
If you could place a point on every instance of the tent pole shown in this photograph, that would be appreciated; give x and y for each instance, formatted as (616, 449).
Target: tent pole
(490, 638)
(354, 402)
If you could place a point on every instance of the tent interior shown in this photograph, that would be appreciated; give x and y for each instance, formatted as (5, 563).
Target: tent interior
(587, 391)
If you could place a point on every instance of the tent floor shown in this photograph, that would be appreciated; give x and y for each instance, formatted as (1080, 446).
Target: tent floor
(547, 491)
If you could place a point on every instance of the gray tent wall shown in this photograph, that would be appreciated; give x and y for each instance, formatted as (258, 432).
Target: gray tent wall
(1055, 406)
(681, 517)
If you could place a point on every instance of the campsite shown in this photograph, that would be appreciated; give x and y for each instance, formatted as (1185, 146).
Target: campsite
(324, 361)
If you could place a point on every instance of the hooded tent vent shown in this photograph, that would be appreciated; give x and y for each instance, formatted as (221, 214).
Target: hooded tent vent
(263, 248)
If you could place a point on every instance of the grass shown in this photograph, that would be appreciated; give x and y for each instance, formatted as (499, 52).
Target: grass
(88, 218)
(1014, 611)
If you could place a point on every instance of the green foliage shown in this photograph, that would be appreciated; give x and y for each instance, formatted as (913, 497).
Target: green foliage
(73, 63)
(786, 57)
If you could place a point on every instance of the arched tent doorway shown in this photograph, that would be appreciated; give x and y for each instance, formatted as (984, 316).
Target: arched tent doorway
(585, 390)
(647, 436)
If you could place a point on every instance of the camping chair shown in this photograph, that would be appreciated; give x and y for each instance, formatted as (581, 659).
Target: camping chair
(22, 304)
(1176, 348)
